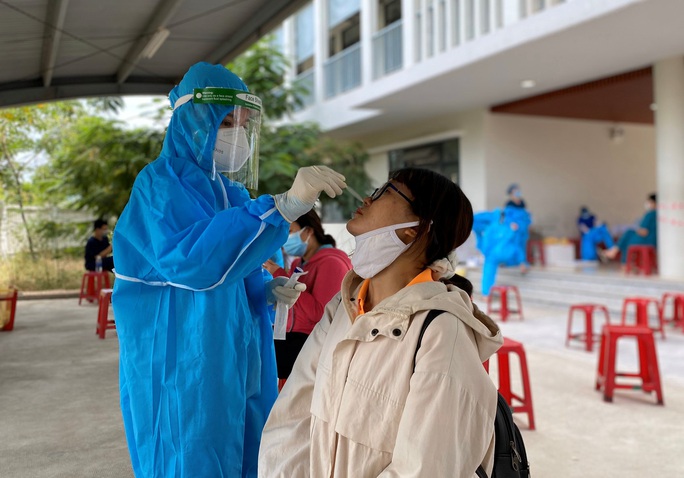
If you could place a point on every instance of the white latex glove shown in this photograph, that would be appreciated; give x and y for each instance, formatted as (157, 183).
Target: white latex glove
(307, 186)
(275, 291)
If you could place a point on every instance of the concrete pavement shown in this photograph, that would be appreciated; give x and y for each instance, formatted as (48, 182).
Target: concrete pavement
(59, 411)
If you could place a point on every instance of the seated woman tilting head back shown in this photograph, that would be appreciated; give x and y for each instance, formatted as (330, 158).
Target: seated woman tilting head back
(355, 406)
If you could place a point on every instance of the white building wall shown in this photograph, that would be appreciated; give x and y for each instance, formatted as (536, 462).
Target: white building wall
(564, 164)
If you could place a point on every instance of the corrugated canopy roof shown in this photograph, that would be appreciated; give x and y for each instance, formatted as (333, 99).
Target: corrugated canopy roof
(58, 49)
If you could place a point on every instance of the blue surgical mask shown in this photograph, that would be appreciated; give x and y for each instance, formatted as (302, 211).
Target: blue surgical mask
(517, 193)
(294, 246)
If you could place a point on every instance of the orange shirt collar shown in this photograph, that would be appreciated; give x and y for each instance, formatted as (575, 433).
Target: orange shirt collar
(425, 276)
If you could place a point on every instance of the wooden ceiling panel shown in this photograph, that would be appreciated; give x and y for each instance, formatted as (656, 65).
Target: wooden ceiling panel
(624, 98)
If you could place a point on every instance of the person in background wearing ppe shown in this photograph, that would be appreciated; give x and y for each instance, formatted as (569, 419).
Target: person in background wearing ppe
(591, 235)
(361, 402)
(645, 234)
(325, 267)
(515, 198)
(197, 366)
(585, 221)
(502, 240)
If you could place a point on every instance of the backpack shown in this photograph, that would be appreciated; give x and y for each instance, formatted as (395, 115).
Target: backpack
(510, 458)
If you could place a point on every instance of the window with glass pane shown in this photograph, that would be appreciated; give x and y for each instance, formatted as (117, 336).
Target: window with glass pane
(277, 39)
(442, 157)
(304, 25)
(340, 10)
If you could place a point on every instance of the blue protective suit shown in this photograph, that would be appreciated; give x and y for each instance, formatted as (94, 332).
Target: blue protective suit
(197, 363)
(499, 243)
(592, 238)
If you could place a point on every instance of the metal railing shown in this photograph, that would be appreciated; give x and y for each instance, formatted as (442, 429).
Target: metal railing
(387, 50)
(462, 21)
(343, 71)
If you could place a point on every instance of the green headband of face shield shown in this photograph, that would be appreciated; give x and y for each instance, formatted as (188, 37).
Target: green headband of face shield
(236, 151)
(221, 96)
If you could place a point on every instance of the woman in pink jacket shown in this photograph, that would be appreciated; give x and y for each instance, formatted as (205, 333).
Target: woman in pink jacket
(326, 266)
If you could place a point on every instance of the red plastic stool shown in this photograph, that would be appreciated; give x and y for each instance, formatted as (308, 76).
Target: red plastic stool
(607, 374)
(588, 336)
(641, 312)
(537, 244)
(11, 297)
(642, 258)
(677, 318)
(103, 322)
(91, 285)
(503, 309)
(524, 402)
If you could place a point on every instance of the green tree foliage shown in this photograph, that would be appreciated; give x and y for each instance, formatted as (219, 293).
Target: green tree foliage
(286, 146)
(95, 161)
(21, 132)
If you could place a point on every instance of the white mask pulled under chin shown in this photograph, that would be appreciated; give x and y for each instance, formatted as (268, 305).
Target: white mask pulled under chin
(376, 250)
(231, 150)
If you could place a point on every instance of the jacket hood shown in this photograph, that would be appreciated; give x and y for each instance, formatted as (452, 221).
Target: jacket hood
(426, 296)
(192, 129)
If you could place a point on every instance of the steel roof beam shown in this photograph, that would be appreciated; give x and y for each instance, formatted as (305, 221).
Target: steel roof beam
(272, 14)
(160, 18)
(52, 35)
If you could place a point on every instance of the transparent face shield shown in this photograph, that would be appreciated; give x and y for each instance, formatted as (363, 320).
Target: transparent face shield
(236, 149)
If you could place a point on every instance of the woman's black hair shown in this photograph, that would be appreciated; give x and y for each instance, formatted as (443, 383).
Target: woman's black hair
(311, 219)
(653, 197)
(446, 215)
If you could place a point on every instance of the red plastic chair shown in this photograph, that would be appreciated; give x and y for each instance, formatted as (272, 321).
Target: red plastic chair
(503, 310)
(642, 258)
(91, 285)
(641, 312)
(648, 375)
(538, 245)
(677, 318)
(519, 403)
(588, 336)
(12, 299)
(103, 322)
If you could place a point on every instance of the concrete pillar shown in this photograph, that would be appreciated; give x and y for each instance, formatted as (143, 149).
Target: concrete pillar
(408, 23)
(320, 47)
(368, 20)
(668, 76)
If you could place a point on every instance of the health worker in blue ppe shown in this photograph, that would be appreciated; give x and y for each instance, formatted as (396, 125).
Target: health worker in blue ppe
(592, 233)
(501, 237)
(197, 364)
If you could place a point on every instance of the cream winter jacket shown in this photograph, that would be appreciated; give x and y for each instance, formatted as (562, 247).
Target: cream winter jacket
(353, 406)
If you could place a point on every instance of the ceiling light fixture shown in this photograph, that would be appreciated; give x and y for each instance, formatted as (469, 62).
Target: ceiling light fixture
(528, 84)
(155, 43)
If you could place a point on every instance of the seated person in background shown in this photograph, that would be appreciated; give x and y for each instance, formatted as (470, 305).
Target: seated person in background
(592, 235)
(98, 245)
(326, 266)
(645, 234)
(585, 221)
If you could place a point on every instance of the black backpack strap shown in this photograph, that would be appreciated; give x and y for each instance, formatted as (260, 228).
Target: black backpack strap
(432, 315)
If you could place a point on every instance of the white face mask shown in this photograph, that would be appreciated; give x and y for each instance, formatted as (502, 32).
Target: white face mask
(647, 206)
(376, 250)
(231, 150)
